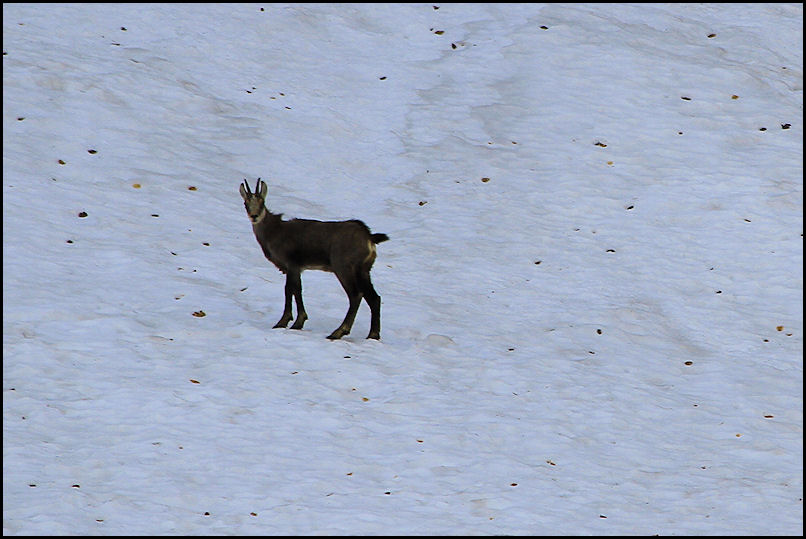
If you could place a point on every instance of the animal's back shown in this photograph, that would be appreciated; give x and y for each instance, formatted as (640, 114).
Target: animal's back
(314, 245)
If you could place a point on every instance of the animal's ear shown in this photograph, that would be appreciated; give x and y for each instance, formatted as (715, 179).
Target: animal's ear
(244, 192)
(261, 189)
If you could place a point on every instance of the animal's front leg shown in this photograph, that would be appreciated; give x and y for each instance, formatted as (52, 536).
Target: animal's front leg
(289, 293)
(296, 278)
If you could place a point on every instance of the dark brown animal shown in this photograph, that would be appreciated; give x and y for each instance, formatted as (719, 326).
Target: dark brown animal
(346, 248)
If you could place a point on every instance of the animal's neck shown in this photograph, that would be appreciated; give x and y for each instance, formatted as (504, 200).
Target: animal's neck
(266, 222)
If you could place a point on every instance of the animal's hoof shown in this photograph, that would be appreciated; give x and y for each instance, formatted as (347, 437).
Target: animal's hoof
(338, 334)
(376, 336)
(299, 322)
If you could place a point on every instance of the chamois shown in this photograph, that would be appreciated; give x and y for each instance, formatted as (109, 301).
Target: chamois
(346, 248)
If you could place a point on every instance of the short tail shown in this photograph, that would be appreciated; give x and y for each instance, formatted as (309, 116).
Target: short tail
(378, 238)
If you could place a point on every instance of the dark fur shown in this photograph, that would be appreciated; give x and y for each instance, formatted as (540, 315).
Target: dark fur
(346, 248)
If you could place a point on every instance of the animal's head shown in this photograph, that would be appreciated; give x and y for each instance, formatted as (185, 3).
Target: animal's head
(255, 203)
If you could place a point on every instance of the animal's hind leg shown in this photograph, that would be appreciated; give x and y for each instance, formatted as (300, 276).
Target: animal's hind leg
(350, 287)
(374, 301)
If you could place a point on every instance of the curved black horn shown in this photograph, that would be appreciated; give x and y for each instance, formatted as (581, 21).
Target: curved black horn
(246, 184)
(257, 186)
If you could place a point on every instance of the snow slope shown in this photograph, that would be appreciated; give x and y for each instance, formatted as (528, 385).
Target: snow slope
(592, 296)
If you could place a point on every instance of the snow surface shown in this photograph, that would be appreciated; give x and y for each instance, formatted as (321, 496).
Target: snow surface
(592, 296)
